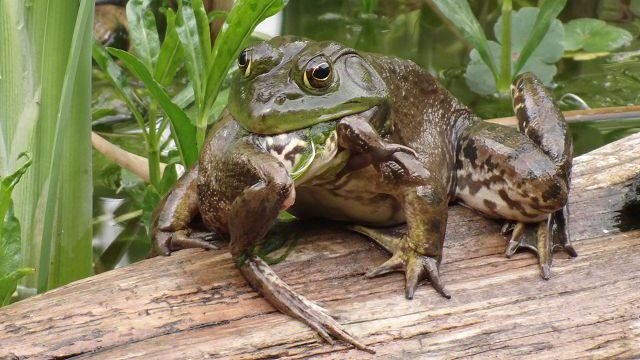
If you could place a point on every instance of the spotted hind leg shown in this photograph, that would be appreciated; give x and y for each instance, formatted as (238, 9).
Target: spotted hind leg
(522, 175)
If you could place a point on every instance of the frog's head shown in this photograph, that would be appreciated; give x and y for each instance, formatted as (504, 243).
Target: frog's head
(292, 83)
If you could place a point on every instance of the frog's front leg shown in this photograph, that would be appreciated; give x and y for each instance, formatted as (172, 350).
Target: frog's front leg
(269, 189)
(418, 251)
(522, 175)
(394, 162)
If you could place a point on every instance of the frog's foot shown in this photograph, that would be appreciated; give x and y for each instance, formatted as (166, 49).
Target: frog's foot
(166, 242)
(542, 238)
(282, 297)
(416, 267)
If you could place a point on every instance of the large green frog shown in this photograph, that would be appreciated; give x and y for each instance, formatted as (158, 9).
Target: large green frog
(326, 131)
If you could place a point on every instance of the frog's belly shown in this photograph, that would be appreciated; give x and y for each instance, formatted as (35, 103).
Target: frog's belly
(353, 198)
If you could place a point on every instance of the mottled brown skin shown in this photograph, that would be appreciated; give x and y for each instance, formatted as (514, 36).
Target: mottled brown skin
(413, 148)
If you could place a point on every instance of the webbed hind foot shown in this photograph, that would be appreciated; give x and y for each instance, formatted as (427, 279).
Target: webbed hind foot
(416, 267)
(542, 238)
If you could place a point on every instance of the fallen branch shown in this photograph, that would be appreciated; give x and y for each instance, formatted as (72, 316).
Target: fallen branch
(195, 304)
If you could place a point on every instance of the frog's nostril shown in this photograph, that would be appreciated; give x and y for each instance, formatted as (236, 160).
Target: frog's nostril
(280, 99)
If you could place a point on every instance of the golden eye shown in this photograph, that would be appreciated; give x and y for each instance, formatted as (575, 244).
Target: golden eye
(318, 74)
(244, 62)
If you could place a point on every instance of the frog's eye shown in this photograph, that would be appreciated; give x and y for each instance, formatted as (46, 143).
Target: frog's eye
(244, 62)
(318, 74)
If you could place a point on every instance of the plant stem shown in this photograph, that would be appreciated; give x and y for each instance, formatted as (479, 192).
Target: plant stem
(154, 147)
(201, 131)
(505, 55)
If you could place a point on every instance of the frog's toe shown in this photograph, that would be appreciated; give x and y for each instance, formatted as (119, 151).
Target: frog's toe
(394, 264)
(416, 267)
(542, 238)
(166, 242)
(197, 240)
(421, 268)
(161, 243)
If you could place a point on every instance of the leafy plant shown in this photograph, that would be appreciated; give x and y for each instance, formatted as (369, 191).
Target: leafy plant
(593, 35)
(540, 62)
(164, 104)
(187, 39)
(11, 269)
(509, 63)
(45, 67)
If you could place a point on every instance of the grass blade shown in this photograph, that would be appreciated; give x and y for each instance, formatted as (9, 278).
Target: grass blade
(185, 135)
(143, 31)
(549, 10)
(63, 267)
(461, 17)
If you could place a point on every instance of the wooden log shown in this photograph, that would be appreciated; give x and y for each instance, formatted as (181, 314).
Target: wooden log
(194, 304)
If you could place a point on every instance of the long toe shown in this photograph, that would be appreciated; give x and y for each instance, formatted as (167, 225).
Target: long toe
(394, 264)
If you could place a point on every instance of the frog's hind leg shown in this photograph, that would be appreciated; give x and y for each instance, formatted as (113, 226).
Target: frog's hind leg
(522, 175)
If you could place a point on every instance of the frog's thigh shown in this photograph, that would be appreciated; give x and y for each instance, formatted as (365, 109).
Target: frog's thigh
(503, 173)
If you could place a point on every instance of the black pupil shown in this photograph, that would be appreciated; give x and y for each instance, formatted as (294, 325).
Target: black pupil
(321, 71)
(242, 59)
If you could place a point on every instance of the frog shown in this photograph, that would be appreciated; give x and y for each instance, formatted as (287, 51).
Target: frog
(397, 149)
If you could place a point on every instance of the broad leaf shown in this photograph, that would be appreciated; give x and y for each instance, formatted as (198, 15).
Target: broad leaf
(549, 10)
(541, 62)
(240, 23)
(594, 35)
(185, 135)
(460, 15)
(143, 31)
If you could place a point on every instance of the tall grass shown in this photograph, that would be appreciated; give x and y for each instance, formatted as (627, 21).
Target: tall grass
(45, 89)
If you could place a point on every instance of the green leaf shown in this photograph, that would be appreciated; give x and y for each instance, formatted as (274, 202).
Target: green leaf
(65, 253)
(215, 15)
(204, 32)
(143, 31)
(549, 10)
(6, 188)
(119, 82)
(189, 34)
(541, 62)
(9, 283)
(170, 53)
(149, 202)
(594, 35)
(240, 23)
(169, 177)
(10, 256)
(460, 15)
(185, 135)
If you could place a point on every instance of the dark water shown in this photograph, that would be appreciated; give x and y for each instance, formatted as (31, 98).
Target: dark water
(408, 29)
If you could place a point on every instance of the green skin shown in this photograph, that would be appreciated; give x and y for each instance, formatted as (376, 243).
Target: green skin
(411, 149)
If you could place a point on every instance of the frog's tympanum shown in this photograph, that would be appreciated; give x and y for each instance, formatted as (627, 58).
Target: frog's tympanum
(325, 131)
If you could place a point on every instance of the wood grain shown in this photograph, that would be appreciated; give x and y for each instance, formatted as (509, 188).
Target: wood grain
(194, 304)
